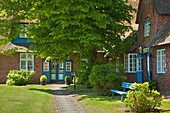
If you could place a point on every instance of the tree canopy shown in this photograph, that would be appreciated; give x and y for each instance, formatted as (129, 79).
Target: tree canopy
(59, 27)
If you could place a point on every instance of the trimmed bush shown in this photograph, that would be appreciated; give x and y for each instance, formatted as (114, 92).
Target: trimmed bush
(105, 77)
(142, 99)
(153, 84)
(19, 77)
(43, 78)
(67, 78)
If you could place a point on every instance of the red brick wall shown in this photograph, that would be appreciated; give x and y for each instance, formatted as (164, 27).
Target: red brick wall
(37, 69)
(8, 63)
(162, 19)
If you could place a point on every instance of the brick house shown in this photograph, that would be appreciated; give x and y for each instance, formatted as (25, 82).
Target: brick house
(25, 60)
(149, 58)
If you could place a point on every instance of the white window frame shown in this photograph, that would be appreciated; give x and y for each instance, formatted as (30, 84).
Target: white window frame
(133, 63)
(162, 61)
(26, 59)
(147, 27)
(145, 50)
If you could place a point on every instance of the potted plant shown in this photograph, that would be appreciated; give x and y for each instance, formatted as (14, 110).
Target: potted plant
(43, 80)
(67, 80)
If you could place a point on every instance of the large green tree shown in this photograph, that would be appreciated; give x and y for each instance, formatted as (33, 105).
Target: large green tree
(64, 26)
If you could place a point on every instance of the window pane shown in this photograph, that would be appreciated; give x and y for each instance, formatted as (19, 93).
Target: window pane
(161, 61)
(23, 56)
(29, 56)
(61, 65)
(30, 65)
(68, 66)
(23, 64)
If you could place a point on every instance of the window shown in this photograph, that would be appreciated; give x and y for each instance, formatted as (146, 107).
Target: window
(147, 28)
(68, 66)
(161, 61)
(27, 61)
(145, 50)
(23, 34)
(61, 65)
(46, 66)
(130, 62)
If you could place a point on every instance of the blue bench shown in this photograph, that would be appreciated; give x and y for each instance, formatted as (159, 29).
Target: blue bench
(123, 93)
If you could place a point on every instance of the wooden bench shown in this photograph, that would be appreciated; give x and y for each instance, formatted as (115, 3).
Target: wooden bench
(123, 93)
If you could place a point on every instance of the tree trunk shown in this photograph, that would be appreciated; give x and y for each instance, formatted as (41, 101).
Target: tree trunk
(93, 57)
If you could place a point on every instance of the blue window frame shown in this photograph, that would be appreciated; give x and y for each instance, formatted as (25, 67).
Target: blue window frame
(147, 28)
(161, 54)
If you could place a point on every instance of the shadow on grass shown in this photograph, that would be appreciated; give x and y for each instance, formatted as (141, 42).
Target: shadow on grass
(97, 97)
(49, 91)
(42, 90)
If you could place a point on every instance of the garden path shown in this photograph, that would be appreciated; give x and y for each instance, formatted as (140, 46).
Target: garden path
(65, 103)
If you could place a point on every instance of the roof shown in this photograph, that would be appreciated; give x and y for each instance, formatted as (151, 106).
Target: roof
(133, 39)
(162, 37)
(12, 46)
(161, 7)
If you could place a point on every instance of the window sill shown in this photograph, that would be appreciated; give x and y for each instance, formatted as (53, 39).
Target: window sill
(161, 73)
(129, 72)
(146, 36)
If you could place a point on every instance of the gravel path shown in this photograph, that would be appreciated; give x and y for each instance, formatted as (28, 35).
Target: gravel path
(64, 102)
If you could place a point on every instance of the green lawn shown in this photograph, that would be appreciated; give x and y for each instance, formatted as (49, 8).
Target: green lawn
(95, 103)
(26, 99)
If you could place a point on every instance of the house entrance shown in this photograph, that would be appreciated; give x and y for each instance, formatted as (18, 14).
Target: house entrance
(56, 72)
(139, 68)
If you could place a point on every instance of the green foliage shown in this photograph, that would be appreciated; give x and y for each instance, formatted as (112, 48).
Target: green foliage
(19, 77)
(153, 84)
(105, 77)
(76, 80)
(67, 78)
(142, 99)
(64, 26)
(43, 78)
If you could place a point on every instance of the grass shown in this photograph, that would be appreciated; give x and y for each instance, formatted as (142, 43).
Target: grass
(26, 99)
(95, 103)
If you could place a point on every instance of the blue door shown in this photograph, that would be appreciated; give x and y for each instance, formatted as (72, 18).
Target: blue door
(56, 72)
(68, 68)
(148, 67)
(53, 70)
(46, 69)
(61, 71)
(139, 68)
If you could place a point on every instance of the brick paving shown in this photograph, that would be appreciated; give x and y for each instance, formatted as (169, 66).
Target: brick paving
(65, 103)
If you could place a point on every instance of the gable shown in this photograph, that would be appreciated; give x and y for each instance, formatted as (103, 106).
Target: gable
(161, 7)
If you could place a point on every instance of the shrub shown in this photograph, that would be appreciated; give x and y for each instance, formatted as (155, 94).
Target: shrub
(67, 78)
(142, 99)
(153, 84)
(19, 77)
(105, 77)
(43, 78)
(76, 80)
